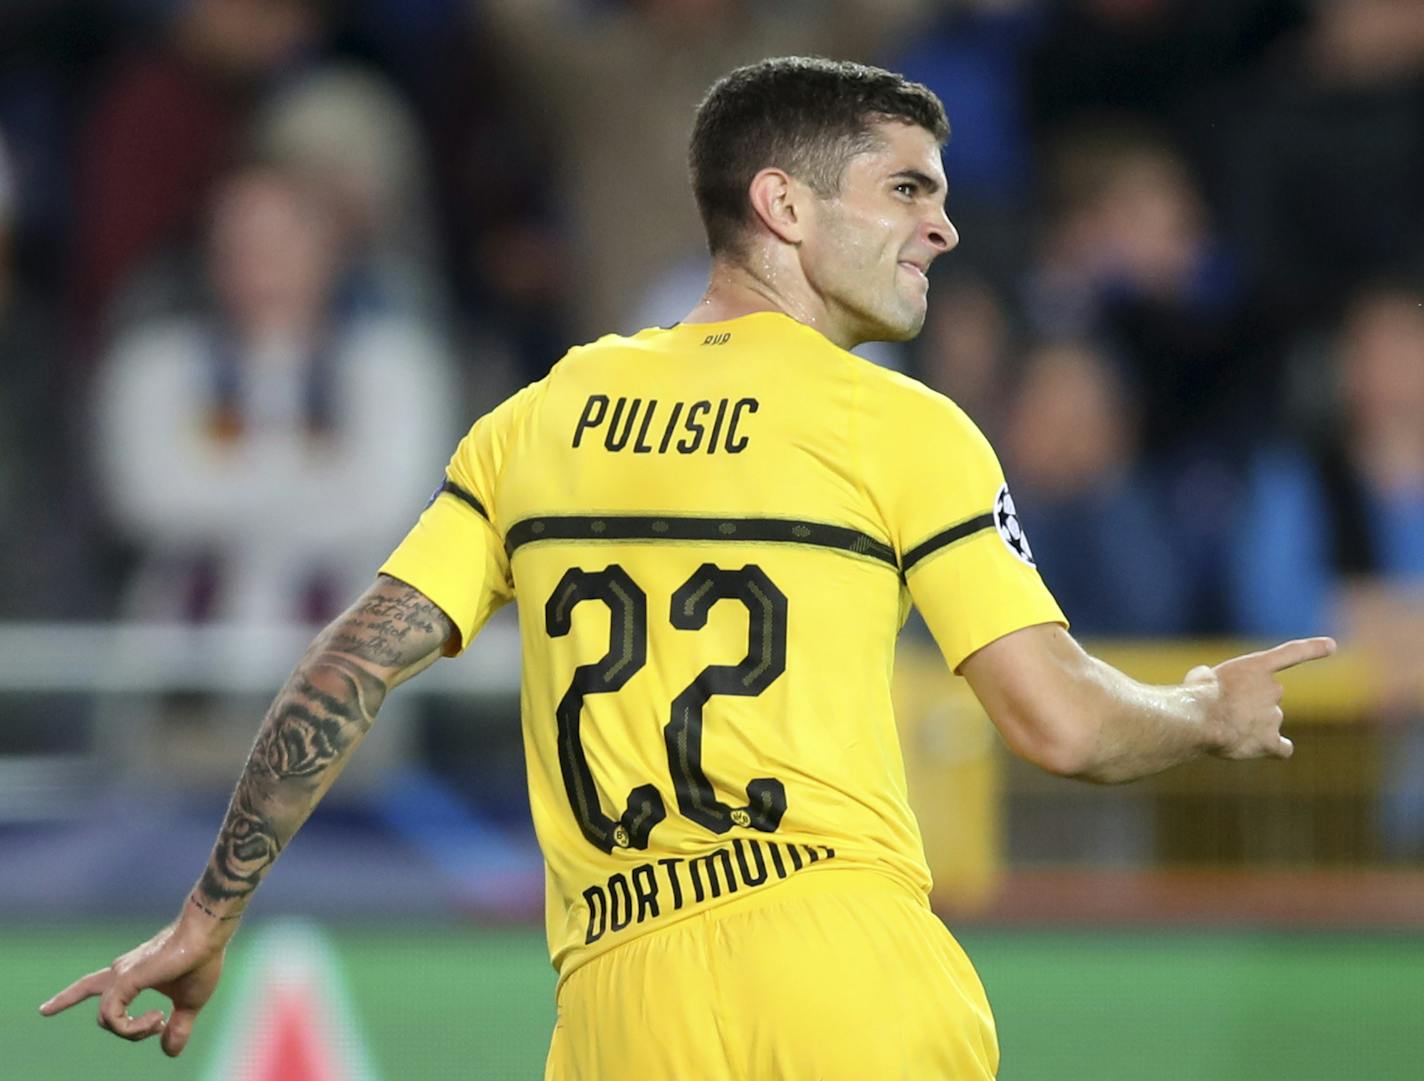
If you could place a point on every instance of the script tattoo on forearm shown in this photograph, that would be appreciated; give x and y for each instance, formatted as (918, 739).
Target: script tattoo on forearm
(392, 626)
(319, 717)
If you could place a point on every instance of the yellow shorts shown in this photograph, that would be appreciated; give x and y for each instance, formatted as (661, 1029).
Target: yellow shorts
(834, 975)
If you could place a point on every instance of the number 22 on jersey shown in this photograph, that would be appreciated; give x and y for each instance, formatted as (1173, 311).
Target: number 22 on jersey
(627, 653)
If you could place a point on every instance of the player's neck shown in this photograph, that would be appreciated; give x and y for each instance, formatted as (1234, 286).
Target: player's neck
(735, 289)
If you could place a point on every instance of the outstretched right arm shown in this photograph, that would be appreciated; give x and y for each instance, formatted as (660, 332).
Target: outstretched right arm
(308, 735)
(1076, 716)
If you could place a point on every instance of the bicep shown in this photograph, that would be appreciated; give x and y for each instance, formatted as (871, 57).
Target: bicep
(394, 629)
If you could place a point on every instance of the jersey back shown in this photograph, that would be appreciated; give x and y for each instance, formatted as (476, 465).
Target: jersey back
(713, 533)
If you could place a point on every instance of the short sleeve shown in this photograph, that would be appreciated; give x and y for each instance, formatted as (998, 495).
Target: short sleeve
(939, 487)
(454, 554)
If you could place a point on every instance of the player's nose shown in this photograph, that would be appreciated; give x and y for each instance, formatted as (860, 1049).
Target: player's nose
(940, 233)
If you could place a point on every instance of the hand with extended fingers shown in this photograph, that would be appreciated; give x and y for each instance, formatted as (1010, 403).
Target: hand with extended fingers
(182, 961)
(1247, 709)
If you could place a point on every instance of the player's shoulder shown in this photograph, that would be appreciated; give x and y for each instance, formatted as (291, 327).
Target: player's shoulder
(602, 344)
(571, 369)
(902, 402)
(583, 361)
(609, 344)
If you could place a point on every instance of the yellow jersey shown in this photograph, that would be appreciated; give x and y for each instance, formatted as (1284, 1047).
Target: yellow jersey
(714, 533)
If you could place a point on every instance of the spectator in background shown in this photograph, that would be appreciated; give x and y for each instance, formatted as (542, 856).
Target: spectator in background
(1324, 167)
(1128, 254)
(1156, 57)
(265, 453)
(1129, 257)
(574, 63)
(43, 570)
(1333, 531)
(50, 55)
(501, 232)
(974, 57)
(964, 350)
(348, 132)
(1102, 543)
(38, 556)
(165, 123)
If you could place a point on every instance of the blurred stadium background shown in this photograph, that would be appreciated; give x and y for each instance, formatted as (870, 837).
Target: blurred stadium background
(262, 261)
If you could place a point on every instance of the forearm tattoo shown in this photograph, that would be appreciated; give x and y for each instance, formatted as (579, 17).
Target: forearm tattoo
(319, 717)
(393, 625)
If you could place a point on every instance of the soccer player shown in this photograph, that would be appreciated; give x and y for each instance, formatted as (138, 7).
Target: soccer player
(713, 532)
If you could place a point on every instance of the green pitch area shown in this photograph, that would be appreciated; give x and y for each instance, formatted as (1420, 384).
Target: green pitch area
(428, 1003)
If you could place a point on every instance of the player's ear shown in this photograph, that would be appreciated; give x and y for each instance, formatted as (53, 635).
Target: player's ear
(779, 202)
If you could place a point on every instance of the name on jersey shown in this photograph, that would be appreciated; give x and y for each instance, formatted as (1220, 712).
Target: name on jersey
(656, 427)
(667, 885)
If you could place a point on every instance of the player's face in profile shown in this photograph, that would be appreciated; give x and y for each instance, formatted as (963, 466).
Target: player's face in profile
(872, 242)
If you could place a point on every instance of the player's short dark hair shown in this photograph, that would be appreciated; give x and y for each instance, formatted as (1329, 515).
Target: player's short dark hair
(806, 115)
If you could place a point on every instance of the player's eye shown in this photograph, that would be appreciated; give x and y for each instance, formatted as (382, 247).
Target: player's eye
(908, 188)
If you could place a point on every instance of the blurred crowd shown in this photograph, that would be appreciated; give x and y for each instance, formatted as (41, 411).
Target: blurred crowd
(262, 261)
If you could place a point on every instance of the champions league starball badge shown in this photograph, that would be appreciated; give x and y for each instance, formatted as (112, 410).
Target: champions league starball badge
(1006, 521)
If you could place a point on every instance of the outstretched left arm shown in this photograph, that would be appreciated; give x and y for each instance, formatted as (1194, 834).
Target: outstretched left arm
(326, 707)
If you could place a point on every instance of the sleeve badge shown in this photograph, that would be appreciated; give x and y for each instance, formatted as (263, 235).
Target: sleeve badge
(1006, 521)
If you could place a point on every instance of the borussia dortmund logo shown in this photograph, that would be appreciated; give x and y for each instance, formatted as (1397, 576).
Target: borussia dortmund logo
(620, 837)
(741, 818)
(1006, 521)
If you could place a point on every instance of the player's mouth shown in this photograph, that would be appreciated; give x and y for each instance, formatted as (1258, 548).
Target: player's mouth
(915, 270)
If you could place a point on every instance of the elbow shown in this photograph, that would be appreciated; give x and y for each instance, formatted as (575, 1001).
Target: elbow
(1065, 756)
(1081, 759)
(1061, 743)
(1045, 695)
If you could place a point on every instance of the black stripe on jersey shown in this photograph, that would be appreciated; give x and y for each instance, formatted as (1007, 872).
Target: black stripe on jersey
(966, 528)
(671, 528)
(465, 497)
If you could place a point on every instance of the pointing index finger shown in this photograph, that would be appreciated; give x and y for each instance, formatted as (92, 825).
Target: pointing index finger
(1297, 651)
(82, 988)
